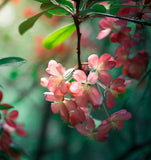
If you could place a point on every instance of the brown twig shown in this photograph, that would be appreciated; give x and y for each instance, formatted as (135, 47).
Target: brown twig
(134, 148)
(114, 16)
(77, 24)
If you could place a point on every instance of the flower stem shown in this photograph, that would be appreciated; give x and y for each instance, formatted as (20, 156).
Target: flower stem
(77, 24)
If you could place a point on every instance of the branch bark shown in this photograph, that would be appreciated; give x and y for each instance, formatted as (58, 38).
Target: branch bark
(77, 24)
(113, 16)
(134, 148)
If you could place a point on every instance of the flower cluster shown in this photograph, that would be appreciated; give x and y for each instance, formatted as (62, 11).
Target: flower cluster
(75, 93)
(134, 63)
(9, 125)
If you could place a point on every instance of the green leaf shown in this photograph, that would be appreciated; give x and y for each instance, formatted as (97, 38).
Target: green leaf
(59, 36)
(3, 107)
(24, 26)
(48, 15)
(66, 3)
(58, 11)
(99, 8)
(11, 61)
(92, 2)
(53, 9)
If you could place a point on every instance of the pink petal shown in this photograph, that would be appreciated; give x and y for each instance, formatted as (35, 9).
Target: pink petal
(93, 61)
(73, 118)
(104, 128)
(82, 129)
(49, 96)
(44, 81)
(10, 123)
(80, 114)
(101, 138)
(90, 124)
(55, 108)
(104, 57)
(92, 77)
(21, 132)
(109, 101)
(108, 65)
(102, 34)
(13, 115)
(60, 69)
(76, 89)
(55, 69)
(118, 82)
(52, 68)
(52, 84)
(122, 115)
(82, 100)
(105, 78)
(63, 87)
(64, 113)
(120, 125)
(79, 76)
(70, 104)
(94, 97)
(1, 96)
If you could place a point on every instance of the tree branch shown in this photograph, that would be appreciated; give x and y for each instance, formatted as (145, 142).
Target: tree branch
(134, 148)
(77, 24)
(114, 16)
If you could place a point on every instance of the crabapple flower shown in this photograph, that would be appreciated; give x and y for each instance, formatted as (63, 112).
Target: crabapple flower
(115, 121)
(104, 63)
(10, 117)
(56, 79)
(89, 130)
(115, 87)
(83, 90)
(122, 53)
(123, 37)
(108, 25)
(136, 66)
(58, 104)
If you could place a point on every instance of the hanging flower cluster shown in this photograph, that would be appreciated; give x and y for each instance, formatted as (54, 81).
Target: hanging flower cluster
(8, 126)
(134, 62)
(74, 93)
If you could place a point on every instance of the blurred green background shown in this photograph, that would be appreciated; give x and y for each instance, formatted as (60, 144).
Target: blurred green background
(49, 138)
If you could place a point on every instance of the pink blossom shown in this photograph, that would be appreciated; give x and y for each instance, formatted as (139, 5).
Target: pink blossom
(89, 130)
(104, 63)
(115, 121)
(115, 87)
(83, 90)
(56, 79)
(109, 25)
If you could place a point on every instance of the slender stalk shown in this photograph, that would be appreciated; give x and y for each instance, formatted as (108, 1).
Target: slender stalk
(114, 16)
(77, 24)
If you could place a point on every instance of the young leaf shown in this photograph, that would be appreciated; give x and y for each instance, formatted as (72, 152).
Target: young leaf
(59, 36)
(99, 8)
(3, 107)
(23, 27)
(58, 11)
(11, 61)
